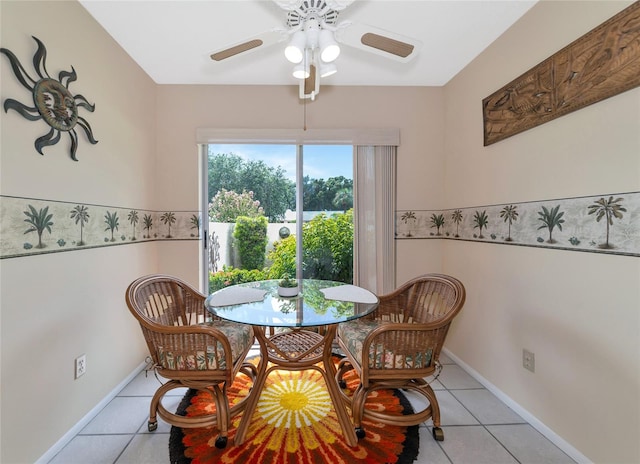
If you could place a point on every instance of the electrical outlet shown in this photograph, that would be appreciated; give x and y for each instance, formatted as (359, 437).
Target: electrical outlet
(528, 360)
(81, 365)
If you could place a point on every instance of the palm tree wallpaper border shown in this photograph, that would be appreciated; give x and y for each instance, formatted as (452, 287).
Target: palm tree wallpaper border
(603, 223)
(608, 223)
(31, 226)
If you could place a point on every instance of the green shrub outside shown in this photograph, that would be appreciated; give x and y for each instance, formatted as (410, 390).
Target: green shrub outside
(232, 276)
(327, 250)
(283, 257)
(251, 241)
(328, 254)
(327, 245)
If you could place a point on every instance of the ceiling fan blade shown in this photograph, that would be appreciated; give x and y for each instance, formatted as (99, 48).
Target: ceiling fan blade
(261, 40)
(310, 87)
(337, 5)
(372, 39)
(288, 5)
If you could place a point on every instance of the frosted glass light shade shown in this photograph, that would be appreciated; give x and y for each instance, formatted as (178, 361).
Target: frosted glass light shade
(300, 71)
(294, 52)
(329, 48)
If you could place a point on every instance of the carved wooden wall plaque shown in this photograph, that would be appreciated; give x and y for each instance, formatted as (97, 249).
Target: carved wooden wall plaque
(602, 63)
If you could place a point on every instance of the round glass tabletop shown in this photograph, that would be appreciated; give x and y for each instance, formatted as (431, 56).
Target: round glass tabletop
(318, 302)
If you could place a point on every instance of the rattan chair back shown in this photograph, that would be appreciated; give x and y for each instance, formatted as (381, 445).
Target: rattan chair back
(189, 347)
(399, 345)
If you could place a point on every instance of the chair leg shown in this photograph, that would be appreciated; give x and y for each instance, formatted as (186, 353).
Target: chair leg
(359, 412)
(433, 401)
(220, 419)
(152, 425)
(344, 366)
(357, 409)
(437, 432)
(357, 401)
(222, 414)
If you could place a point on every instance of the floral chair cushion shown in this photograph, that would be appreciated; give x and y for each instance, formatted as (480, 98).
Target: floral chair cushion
(353, 334)
(240, 337)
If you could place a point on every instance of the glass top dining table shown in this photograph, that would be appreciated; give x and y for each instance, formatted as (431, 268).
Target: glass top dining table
(318, 303)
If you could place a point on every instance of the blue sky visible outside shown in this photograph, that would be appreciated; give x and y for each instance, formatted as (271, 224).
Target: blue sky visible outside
(320, 161)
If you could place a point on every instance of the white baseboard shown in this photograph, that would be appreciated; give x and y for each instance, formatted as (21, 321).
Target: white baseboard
(526, 415)
(67, 437)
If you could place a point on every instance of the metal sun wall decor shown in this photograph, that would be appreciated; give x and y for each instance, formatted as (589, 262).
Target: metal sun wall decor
(604, 223)
(600, 64)
(53, 101)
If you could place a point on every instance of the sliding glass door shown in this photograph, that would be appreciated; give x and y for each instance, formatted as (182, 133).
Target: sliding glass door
(261, 198)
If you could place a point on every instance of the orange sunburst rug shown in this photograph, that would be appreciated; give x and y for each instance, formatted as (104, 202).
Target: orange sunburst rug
(294, 423)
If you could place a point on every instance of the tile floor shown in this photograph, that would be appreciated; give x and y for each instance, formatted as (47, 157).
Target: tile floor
(478, 429)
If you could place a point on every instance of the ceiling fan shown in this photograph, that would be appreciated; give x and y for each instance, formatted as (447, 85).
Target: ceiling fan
(314, 36)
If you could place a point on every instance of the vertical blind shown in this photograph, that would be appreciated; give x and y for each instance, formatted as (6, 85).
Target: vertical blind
(374, 197)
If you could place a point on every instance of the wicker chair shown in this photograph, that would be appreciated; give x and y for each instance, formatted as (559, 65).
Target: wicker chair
(190, 348)
(398, 345)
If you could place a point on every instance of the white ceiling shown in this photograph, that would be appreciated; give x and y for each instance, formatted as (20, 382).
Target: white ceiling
(172, 39)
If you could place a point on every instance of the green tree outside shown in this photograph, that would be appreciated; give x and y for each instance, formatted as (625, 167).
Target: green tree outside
(321, 194)
(343, 200)
(275, 192)
(228, 171)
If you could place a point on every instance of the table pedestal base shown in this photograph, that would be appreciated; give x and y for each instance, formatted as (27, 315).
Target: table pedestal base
(297, 350)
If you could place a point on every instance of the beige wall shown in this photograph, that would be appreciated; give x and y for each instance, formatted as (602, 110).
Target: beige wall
(416, 111)
(58, 306)
(146, 139)
(579, 312)
(55, 307)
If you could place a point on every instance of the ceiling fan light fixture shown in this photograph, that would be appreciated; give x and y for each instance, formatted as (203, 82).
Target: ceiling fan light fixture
(328, 69)
(300, 71)
(294, 52)
(314, 38)
(329, 48)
